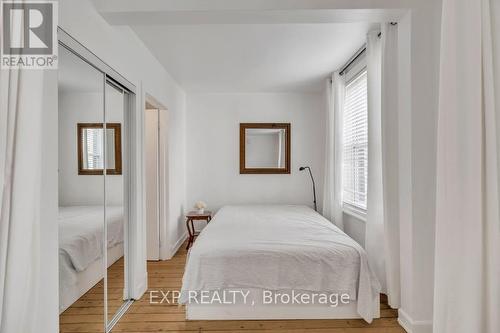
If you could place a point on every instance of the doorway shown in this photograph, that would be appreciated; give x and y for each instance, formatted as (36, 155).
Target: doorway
(156, 180)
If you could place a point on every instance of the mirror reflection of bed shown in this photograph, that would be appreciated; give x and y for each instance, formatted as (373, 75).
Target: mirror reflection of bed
(87, 196)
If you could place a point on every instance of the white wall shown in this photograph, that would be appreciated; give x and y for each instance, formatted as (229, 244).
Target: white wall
(120, 48)
(419, 61)
(81, 190)
(355, 228)
(213, 148)
(173, 120)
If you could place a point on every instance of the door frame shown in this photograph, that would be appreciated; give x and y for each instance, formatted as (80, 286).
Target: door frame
(163, 179)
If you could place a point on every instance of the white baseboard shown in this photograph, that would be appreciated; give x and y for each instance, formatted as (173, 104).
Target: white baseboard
(177, 245)
(413, 326)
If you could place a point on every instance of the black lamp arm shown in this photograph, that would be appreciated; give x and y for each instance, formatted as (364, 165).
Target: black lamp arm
(313, 185)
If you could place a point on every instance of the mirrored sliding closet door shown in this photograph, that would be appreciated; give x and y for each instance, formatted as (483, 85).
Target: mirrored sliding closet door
(93, 194)
(81, 192)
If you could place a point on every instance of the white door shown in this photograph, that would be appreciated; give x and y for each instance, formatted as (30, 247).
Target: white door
(152, 185)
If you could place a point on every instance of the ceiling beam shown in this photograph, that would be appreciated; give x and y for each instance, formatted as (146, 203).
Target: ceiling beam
(253, 5)
(181, 12)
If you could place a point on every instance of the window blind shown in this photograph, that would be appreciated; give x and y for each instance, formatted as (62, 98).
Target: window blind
(92, 144)
(355, 142)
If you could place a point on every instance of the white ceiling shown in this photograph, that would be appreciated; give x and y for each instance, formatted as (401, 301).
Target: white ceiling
(253, 57)
(252, 46)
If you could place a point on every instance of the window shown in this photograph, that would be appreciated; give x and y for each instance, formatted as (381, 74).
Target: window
(355, 143)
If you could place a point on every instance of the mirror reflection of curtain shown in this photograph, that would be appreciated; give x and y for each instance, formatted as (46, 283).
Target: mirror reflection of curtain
(110, 148)
(281, 145)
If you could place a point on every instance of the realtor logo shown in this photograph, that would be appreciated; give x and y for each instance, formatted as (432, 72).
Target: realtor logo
(29, 34)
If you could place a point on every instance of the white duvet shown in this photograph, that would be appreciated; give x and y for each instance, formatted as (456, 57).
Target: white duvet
(81, 233)
(279, 248)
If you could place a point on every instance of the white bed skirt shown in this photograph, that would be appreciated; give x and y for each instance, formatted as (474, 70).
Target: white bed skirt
(86, 279)
(260, 311)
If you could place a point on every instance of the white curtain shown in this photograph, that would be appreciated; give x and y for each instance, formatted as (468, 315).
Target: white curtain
(332, 188)
(21, 96)
(467, 261)
(374, 237)
(382, 221)
(20, 181)
(390, 161)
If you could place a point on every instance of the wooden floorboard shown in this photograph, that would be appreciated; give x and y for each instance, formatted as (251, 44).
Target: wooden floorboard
(87, 313)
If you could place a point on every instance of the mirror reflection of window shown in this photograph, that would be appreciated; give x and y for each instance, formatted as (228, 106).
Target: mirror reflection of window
(93, 157)
(265, 148)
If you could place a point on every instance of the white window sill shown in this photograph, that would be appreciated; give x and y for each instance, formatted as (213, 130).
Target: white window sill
(360, 215)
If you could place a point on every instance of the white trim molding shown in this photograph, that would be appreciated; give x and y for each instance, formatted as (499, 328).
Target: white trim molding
(140, 287)
(177, 245)
(413, 326)
(352, 211)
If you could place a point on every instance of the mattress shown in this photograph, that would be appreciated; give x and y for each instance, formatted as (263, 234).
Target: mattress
(279, 248)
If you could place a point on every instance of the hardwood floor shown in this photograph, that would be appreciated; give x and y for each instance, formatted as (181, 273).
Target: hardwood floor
(90, 307)
(86, 314)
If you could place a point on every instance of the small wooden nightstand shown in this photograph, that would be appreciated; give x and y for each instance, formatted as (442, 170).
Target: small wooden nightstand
(192, 216)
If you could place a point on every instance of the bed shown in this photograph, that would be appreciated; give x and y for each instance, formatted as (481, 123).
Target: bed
(276, 250)
(80, 248)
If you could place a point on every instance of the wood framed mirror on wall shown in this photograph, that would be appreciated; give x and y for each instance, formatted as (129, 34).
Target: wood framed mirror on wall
(265, 148)
(91, 157)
